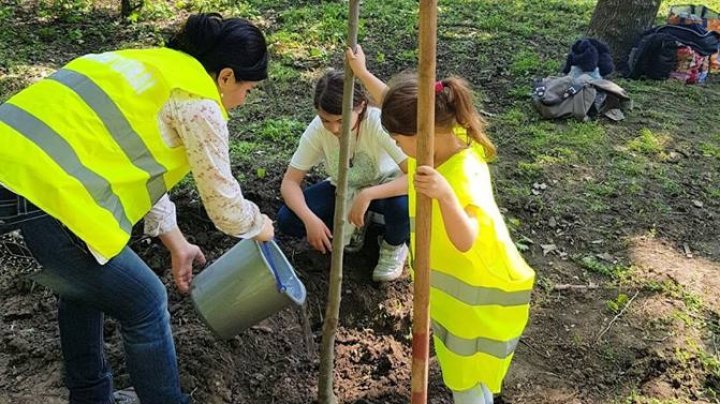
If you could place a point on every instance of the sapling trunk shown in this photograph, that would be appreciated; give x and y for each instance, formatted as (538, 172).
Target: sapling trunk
(332, 311)
(427, 41)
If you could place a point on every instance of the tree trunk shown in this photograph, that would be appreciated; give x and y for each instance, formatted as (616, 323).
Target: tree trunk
(619, 22)
(326, 394)
(427, 44)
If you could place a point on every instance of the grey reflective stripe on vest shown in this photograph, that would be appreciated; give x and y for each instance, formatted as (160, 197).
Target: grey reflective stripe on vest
(477, 295)
(118, 127)
(412, 224)
(468, 347)
(64, 156)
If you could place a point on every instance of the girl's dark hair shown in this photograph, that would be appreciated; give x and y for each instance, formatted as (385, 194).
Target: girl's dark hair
(453, 106)
(329, 93)
(218, 43)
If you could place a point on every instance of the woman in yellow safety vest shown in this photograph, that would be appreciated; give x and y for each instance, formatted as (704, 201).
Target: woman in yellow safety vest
(94, 148)
(480, 284)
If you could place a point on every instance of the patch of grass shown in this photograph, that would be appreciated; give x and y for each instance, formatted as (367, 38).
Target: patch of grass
(279, 72)
(525, 63)
(601, 189)
(595, 265)
(635, 397)
(713, 191)
(545, 284)
(711, 146)
(648, 142)
(520, 91)
(616, 305)
(243, 150)
(283, 130)
(627, 168)
(514, 116)
(693, 302)
(578, 136)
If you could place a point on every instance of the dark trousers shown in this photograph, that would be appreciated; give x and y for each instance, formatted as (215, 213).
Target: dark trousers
(320, 198)
(124, 288)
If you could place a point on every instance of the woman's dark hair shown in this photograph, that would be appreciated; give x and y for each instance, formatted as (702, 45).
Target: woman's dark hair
(453, 106)
(329, 93)
(218, 43)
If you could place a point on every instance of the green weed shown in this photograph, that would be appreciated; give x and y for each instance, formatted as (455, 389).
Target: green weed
(648, 142)
(615, 271)
(615, 306)
(711, 147)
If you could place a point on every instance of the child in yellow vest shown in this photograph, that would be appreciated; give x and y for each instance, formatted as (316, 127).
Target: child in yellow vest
(480, 284)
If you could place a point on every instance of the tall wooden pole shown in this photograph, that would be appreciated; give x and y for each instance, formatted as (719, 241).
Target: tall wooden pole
(427, 42)
(326, 395)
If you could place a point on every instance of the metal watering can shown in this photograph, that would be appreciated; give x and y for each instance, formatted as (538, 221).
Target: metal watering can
(249, 283)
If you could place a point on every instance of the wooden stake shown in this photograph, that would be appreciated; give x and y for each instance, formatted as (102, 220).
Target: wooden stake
(427, 42)
(326, 395)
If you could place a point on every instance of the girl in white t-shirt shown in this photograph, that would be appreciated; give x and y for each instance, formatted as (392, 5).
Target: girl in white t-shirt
(375, 163)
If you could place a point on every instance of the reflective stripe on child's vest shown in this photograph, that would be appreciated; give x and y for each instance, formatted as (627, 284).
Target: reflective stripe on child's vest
(479, 300)
(84, 144)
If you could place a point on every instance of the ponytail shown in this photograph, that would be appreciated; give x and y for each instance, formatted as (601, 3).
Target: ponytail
(453, 106)
(218, 43)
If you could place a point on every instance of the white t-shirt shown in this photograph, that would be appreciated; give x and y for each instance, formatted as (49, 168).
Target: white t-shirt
(374, 155)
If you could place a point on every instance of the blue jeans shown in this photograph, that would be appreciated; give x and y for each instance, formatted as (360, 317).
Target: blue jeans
(320, 198)
(124, 288)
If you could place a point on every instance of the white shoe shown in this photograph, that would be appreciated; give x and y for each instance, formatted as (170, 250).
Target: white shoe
(126, 396)
(390, 262)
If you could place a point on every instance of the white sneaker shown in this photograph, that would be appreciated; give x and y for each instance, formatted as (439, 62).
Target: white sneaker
(390, 262)
(126, 396)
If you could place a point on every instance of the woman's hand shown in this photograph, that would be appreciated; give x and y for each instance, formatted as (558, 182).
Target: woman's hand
(182, 258)
(318, 234)
(359, 207)
(357, 60)
(430, 183)
(268, 231)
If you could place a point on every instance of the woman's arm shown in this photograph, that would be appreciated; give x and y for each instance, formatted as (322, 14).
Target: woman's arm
(204, 133)
(374, 85)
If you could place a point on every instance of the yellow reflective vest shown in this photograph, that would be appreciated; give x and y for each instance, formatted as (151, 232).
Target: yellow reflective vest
(479, 300)
(84, 144)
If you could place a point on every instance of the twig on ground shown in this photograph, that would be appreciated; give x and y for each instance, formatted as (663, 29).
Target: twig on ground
(575, 287)
(487, 113)
(606, 329)
(532, 348)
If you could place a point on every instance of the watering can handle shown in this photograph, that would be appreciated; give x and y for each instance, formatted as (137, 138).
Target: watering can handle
(264, 246)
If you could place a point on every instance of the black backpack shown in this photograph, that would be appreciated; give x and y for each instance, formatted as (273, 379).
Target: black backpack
(654, 57)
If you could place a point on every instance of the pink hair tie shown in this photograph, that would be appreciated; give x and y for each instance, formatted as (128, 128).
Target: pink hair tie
(439, 87)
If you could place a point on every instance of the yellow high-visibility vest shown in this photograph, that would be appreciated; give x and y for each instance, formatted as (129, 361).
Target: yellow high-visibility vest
(479, 300)
(84, 144)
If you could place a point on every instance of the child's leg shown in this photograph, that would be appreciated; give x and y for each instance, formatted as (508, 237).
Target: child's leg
(320, 198)
(397, 221)
(393, 250)
(479, 394)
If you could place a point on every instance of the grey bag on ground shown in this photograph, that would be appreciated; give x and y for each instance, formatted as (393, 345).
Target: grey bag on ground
(582, 98)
